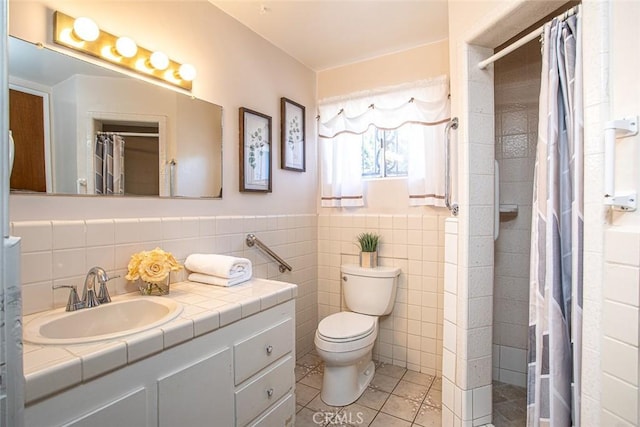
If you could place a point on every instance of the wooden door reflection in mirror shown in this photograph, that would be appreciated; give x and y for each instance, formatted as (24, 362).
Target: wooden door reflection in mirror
(26, 121)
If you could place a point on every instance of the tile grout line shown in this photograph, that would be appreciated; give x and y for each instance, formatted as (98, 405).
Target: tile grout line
(313, 368)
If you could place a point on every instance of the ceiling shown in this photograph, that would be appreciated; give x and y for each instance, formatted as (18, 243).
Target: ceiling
(324, 34)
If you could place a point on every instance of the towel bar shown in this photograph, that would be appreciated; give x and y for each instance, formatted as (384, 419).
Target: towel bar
(253, 240)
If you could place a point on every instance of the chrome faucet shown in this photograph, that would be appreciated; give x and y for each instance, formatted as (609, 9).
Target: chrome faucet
(89, 297)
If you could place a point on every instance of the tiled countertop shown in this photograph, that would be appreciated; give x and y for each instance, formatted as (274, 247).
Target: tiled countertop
(51, 368)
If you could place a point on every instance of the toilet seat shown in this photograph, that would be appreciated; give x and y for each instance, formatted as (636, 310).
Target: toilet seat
(346, 331)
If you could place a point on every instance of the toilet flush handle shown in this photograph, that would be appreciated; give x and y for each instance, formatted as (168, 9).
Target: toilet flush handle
(344, 278)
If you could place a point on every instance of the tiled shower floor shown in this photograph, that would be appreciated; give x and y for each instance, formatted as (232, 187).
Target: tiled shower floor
(509, 405)
(395, 397)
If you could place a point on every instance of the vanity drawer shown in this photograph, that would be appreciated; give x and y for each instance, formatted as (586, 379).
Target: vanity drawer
(262, 392)
(260, 350)
(281, 414)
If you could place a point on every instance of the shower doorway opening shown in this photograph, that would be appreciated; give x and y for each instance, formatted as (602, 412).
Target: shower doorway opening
(516, 95)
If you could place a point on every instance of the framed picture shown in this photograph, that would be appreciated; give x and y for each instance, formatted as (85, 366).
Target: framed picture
(255, 151)
(292, 144)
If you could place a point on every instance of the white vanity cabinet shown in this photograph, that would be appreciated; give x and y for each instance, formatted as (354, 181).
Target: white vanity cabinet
(240, 374)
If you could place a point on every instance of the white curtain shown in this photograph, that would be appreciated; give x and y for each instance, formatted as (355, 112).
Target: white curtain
(555, 302)
(418, 110)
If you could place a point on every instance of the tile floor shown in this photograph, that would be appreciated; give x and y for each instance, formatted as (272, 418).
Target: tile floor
(396, 397)
(509, 405)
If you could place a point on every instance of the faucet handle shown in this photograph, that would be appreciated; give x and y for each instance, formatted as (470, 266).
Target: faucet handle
(73, 303)
(103, 292)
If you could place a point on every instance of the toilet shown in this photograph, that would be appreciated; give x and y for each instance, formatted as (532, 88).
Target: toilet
(344, 340)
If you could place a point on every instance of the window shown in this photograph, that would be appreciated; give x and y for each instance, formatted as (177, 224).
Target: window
(384, 154)
(384, 133)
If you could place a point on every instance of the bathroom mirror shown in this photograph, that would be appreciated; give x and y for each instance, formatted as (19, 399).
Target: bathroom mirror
(80, 128)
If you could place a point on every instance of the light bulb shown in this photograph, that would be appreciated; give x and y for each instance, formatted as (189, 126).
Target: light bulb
(86, 29)
(159, 60)
(126, 47)
(187, 72)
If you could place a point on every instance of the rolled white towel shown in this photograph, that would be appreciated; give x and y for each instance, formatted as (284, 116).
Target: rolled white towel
(223, 266)
(215, 280)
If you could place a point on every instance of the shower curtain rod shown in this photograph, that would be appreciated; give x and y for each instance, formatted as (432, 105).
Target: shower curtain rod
(521, 42)
(129, 134)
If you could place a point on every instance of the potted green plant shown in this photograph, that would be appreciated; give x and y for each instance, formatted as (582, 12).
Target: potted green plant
(368, 243)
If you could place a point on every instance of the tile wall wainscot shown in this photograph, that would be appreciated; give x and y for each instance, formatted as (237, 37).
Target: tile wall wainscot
(620, 319)
(411, 336)
(61, 253)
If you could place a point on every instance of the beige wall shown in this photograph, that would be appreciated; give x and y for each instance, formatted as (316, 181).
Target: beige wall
(236, 68)
(423, 62)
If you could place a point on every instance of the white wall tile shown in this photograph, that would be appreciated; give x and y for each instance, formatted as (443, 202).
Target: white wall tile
(609, 419)
(621, 283)
(101, 256)
(37, 297)
(620, 398)
(480, 312)
(171, 228)
(36, 235)
(100, 232)
(620, 321)
(69, 262)
(68, 234)
(450, 307)
(479, 372)
(512, 377)
(482, 401)
(126, 231)
(36, 267)
(622, 247)
(149, 229)
(513, 359)
(479, 343)
(620, 360)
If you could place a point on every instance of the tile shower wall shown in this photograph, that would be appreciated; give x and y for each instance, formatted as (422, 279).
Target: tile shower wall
(620, 318)
(411, 336)
(517, 87)
(61, 253)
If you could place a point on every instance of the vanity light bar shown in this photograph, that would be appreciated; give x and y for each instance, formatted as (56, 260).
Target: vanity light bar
(83, 35)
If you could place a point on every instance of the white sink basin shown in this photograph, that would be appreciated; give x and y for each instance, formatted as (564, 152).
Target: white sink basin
(107, 321)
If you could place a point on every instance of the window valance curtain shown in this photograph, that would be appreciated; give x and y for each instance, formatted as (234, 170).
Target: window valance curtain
(420, 110)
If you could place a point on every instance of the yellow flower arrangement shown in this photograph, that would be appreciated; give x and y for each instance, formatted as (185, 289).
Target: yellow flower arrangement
(152, 266)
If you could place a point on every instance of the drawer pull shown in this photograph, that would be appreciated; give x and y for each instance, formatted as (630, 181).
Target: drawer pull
(269, 349)
(270, 393)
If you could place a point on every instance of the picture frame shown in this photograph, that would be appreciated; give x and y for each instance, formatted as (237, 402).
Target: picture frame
(292, 136)
(255, 151)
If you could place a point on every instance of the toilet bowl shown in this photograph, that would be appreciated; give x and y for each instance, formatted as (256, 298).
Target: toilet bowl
(345, 340)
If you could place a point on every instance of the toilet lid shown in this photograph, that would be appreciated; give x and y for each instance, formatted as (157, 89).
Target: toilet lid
(346, 326)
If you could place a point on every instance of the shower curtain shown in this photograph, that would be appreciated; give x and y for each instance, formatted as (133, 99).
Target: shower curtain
(109, 164)
(555, 304)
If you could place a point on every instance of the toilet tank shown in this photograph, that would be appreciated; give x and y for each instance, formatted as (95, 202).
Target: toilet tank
(370, 291)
